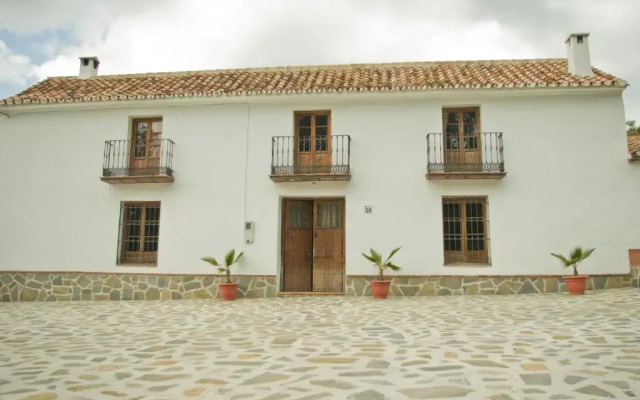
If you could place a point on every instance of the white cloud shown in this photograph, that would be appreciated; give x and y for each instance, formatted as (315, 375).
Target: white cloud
(192, 34)
(167, 35)
(32, 16)
(62, 65)
(14, 68)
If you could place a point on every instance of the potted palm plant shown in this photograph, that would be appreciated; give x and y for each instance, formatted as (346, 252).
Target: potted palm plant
(575, 283)
(228, 290)
(380, 287)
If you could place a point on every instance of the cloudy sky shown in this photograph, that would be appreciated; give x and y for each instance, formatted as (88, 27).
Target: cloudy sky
(40, 38)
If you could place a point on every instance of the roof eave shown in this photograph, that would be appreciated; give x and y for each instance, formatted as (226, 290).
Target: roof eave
(177, 100)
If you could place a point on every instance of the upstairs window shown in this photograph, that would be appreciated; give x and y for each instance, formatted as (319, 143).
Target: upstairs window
(312, 131)
(146, 136)
(462, 128)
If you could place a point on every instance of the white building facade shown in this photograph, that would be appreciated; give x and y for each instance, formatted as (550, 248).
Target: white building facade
(119, 197)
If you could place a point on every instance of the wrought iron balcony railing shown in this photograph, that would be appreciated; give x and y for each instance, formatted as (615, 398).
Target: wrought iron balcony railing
(465, 154)
(322, 157)
(151, 159)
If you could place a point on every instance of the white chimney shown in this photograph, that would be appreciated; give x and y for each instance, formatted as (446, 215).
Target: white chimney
(578, 54)
(88, 67)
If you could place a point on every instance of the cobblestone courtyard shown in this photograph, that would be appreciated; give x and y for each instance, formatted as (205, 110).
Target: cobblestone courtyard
(539, 346)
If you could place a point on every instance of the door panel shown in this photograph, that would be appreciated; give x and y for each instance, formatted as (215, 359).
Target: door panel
(452, 140)
(146, 144)
(322, 137)
(304, 139)
(155, 145)
(328, 246)
(471, 154)
(313, 246)
(297, 244)
(139, 139)
(462, 140)
(313, 141)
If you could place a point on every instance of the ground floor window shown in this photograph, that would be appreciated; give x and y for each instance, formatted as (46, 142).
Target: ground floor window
(139, 232)
(465, 230)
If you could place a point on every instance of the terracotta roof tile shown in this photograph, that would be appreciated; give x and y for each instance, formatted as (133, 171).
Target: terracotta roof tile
(313, 79)
(633, 145)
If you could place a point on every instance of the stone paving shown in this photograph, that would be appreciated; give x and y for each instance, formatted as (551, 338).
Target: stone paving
(538, 346)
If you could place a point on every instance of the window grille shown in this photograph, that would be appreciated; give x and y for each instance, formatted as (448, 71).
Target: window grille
(139, 233)
(465, 230)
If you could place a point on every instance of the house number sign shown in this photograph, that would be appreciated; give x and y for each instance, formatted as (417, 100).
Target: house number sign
(368, 209)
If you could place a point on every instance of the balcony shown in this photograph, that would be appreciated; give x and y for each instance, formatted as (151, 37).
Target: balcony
(465, 156)
(300, 159)
(148, 162)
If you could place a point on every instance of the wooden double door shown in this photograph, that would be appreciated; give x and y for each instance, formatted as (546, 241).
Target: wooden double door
(313, 245)
(462, 139)
(146, 144)
(313, 141)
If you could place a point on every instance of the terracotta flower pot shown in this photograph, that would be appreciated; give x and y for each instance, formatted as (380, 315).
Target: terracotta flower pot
(576, 284)
(380, 289)
(228, 291)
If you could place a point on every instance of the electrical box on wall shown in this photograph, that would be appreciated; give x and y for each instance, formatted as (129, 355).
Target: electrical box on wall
(248, 231)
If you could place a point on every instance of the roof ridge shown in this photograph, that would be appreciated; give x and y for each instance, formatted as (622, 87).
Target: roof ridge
(326, 67)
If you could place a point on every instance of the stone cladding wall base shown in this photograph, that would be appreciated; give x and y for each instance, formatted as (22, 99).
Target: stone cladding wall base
(68, 286)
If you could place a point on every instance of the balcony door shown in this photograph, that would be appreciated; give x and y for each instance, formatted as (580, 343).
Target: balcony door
(313, 245)
(146, 145)
(312, 142)
(462, 150)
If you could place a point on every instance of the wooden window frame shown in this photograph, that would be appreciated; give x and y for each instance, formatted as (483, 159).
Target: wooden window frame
(480, 259)
(122, 234)
(312, 132)
(134, 132)
(461, 110)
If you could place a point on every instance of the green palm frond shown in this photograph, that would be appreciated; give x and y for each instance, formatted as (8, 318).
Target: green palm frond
(377, 260)
(368, 257)
(376, 256)
(576, 256)
(229, 259)
(562, 259)
(587, 253)
(393, 252)
(211, 261)
(576, 253)
(393, 267)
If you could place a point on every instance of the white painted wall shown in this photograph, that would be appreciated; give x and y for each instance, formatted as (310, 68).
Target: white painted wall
(568, 183)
